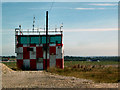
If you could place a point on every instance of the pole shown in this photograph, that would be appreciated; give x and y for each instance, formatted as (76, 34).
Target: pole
(46, 37)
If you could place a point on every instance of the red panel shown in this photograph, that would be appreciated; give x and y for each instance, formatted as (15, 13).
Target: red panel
(58, 34)
(58, 44)
(19, 45)
(39, 52)
(48, 63)
(52, 50)
(26, 54)
(32, 45)
(59, 63)
(32, 64)
(20, 63)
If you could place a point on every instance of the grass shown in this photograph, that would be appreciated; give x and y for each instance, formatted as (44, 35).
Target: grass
(102, 75)
(95, 71)
(71, 63)
(12, 65)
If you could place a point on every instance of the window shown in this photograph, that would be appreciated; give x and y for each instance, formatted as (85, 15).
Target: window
(39, 40)
(35, 40)
(52, 39)
(23, 40)
(55, 39)
(58, 39)
(44, 40)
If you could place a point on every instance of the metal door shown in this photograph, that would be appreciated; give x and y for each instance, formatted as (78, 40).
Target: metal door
(58, 52)
(52, 60)
(39, 64)
(26, 64)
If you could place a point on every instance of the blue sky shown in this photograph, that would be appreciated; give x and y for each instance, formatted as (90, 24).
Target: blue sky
(90, 28)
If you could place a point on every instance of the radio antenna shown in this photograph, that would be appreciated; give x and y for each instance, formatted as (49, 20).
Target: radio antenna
(33, 23)
(61, 26)
(55, 28)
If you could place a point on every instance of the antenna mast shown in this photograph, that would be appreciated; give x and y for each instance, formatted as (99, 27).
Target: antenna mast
(33, 23)
(55, 28)
(61, 26)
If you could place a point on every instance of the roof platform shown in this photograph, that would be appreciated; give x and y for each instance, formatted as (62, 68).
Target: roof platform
(19, 31)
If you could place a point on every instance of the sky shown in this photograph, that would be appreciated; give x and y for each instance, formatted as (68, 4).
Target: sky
(90, 28)
(60, 0)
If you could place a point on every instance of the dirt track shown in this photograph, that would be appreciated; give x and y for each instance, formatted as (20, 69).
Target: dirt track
(40, 79)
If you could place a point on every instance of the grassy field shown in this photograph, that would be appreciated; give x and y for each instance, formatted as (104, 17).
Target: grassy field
(11, 65)
(96, 71)
(71, 63)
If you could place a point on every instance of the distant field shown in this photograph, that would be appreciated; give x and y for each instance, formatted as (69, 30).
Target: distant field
(69, 63)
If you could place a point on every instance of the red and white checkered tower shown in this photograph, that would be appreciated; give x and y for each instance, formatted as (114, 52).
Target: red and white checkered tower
(30, 47)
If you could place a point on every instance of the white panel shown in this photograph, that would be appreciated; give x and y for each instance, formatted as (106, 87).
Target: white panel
(52, 44)
(37, 45)
(24, 45)
(39, 66)
(15, 44)
(33, 53)
(26, 63)
(34, 49)
(52, 60)
(62, 52)
(19, 56)
(44, 55)
(41, 45)
(20, 49)
(58, 52)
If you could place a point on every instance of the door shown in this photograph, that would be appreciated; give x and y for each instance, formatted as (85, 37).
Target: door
(39, 64)
(26, 64)
(52, 60)
(58, 52)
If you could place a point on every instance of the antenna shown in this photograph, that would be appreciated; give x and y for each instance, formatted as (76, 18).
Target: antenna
(33, 23)
(61, 26)
(20, 29)
(44, 27)
(55, 28)
(28, 31)
(37, 29)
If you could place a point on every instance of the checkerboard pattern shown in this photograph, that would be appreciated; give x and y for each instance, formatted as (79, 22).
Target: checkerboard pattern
(33, 52)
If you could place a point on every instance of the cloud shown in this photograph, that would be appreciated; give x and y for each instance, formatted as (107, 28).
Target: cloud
(37, 8)
(89, 8)
(97, 29)
(107, 4)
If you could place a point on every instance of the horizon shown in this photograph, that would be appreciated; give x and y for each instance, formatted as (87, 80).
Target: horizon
(76, 56)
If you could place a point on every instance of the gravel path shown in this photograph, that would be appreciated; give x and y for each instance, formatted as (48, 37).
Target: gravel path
(41, 79)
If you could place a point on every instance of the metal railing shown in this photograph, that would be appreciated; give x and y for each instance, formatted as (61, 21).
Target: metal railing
(36, 32)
